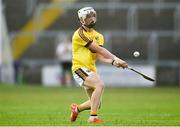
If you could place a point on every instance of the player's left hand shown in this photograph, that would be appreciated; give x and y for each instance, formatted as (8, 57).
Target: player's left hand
(120, 63)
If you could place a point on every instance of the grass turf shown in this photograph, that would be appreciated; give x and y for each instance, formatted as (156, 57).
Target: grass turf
(35, 105)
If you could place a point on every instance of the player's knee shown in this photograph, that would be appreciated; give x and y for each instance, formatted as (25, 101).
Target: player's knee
(100, 84)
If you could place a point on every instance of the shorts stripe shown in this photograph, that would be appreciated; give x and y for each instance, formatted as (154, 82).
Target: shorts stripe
(83, 75)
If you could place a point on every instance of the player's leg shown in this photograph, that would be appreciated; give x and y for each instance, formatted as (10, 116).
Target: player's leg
(89, 93)
(86, 105)
(76, 109)
(94, 82)
(94, 88)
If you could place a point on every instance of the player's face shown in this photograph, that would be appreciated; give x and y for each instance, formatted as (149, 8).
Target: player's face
(90, 20)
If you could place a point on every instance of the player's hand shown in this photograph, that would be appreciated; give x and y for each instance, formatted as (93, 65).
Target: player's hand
(120, 63)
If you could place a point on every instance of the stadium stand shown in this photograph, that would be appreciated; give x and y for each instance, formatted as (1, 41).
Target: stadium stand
(148, 20)
(126, 48)
(127, 24)
(168, 51)
(16, 11)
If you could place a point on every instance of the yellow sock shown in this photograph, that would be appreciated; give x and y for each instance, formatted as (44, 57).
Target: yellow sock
(92, 113)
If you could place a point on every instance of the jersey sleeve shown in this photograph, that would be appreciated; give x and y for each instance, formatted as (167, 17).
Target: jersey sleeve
(81, 39)
(101, 40)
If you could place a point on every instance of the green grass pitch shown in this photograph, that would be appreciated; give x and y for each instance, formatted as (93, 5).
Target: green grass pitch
(35, 105)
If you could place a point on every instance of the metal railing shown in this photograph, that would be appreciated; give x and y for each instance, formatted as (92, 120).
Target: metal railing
(130, 33)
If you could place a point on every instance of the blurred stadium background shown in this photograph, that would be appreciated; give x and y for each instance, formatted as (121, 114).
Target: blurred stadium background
(30, 28)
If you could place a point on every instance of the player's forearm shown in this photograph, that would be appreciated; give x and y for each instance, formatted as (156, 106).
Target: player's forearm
(106, 54)
(102, 51)
(107, 57)
(110, 58)
(104, 60)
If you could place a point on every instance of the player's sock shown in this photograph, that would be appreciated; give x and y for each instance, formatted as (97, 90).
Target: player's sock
(77, 110)
(94, 118)
(93, 115)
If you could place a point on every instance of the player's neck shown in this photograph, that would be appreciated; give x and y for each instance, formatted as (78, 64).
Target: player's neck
(87, 29)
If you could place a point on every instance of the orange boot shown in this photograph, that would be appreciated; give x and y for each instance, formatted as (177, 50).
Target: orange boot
(95, 120)
(74, 113)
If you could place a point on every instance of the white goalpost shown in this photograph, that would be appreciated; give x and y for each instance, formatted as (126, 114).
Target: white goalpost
(0, 34)
(6, 60)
